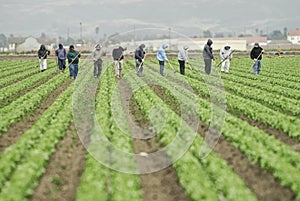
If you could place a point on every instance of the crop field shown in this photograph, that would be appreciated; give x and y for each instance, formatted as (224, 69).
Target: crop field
(191, 137)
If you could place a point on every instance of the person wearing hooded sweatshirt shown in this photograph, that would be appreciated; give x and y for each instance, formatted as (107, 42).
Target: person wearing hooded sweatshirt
(42, 54)
(97, 55)
(183, 58)
(118, 57)
(256, 56)
(73, 60)
(162, 57)
(226, 55)
(139, 59)
(61, 57)
(208, 56)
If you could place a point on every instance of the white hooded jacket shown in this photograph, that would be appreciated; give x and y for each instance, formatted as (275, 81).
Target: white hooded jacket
(225, 54)
(183, 54)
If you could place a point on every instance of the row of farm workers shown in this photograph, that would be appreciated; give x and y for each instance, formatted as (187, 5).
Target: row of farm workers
(73, 56)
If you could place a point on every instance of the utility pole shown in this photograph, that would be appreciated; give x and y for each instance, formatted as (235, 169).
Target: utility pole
(81, 31)
(169, 38)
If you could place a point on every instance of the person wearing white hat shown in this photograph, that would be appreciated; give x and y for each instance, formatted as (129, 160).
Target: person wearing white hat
(97, 55)
(183, 58)
(226, 55)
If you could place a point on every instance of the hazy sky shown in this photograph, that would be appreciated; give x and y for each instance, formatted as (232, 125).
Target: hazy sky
(189, 17)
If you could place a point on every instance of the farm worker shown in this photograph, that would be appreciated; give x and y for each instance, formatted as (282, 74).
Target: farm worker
(73, 59)
(183, 58)
(256, 56)
(42, 54)
(226, 55)
(118, 57)
(162, 57)
(97, 55)
(279, 53)
(61, 57)
(139, 59)
(208, 56)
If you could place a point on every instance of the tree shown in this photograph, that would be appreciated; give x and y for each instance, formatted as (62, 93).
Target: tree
(3, 41)
(43, 35)
(97, 30)
(207, 34)
(276, 35)
(285, 32)
(219, 35)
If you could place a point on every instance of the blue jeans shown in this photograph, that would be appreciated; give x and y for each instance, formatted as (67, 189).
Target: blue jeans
(161, 67)
(61, 64)
(73, 70)
(256, 67)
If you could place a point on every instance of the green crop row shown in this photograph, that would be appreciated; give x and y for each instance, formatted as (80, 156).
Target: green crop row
(21, 75)
(257, 145)
(98, 181)
(14, 89)
(200, 180)
(251, 109)
(28, 103)
(24, 162)
(259, 84)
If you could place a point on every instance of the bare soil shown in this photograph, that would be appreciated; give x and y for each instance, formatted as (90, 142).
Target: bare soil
(261, 183)
(162, 185)
(63, 173)
(16, 130)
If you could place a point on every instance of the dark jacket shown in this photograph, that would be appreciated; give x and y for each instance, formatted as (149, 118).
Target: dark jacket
(207, 51)
(61, 52)
(118, 53)
(71, 55)
(255, 52)
(139, 53)
(43, 52)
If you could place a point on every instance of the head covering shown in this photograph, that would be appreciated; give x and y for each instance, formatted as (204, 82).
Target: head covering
(98, 46)
(164, 46)
(227, 46)
(60, 46)
(256, 44)
(209, 42)
(142, 46)
(185, 47)
(42, 47)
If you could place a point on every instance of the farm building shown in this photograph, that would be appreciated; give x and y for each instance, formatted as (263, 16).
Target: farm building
(28, 44)
(294, 36)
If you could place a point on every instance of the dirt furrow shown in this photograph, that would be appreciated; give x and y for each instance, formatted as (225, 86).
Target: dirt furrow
(16, 130)
(63, 173)
(159, 185)
(262, 183)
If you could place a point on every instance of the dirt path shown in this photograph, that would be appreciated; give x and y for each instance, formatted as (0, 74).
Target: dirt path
(262, 183)
(279, 135)
(160, 185)
(16, 130)
(63, 173)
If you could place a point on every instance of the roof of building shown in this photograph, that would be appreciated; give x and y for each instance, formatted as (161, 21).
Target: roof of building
(294, 32)
(16, 40)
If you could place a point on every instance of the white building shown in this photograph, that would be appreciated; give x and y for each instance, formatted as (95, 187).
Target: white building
(294, 36)
(30, 44)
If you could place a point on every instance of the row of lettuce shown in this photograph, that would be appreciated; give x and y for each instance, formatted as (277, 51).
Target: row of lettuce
(203, 178)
